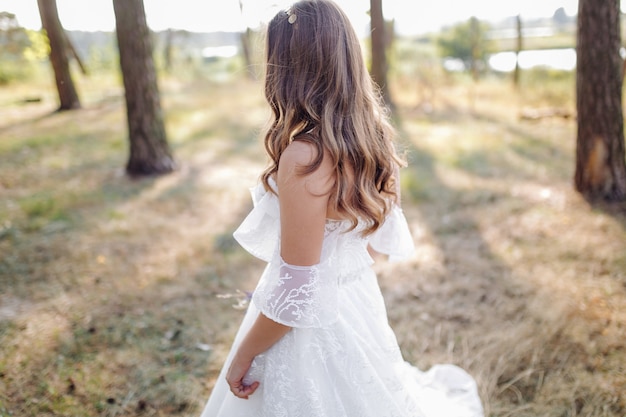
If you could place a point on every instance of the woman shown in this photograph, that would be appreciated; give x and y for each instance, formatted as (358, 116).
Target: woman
(315, 341)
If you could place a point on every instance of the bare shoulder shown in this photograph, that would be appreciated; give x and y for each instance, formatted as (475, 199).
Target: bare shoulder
(297, 156)
(298, 153)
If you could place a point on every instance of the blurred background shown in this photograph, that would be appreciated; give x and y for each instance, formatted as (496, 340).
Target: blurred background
(121, 286)
(198, 30)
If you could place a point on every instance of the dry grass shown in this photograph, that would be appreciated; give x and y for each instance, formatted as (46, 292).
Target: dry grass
(109, 286)
(519, 279)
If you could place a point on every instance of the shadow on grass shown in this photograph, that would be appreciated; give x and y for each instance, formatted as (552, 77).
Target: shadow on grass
(118, 278)
(466, 283)
(26, 122)
(110, 305)
(534, 145)
(471, 305)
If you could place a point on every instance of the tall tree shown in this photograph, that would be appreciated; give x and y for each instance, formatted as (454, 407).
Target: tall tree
(149, 151)
(600, 160)
(379, 65)
(246, 36)
(518, 49)
(167, 49)
(68, 96)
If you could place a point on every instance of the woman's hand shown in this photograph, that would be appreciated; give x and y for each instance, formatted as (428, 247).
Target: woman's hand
(236, 372)
(261, 336)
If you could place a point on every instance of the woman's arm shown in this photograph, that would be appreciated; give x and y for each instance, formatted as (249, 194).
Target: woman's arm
(263, 334)
(303, 204)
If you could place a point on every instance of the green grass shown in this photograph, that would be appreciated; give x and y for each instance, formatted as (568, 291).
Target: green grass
(558, 41)
(117, 294)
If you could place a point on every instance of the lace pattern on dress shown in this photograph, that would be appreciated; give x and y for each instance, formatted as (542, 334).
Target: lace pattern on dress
(297, 296)
(350, 365)
(307, 296)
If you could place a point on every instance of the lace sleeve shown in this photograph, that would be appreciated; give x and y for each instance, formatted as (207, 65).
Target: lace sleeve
(297, 296)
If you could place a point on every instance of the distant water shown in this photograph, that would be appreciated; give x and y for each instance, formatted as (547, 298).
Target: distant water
(562, 59)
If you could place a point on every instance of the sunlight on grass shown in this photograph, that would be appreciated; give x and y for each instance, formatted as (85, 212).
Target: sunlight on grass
(499, 202)
(111, 287)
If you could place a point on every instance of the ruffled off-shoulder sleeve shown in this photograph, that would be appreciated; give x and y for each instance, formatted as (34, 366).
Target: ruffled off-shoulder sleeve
(296, 296)
(259, 233)
(394, 238)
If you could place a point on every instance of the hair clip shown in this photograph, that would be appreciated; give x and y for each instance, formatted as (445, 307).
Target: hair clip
(292, 16)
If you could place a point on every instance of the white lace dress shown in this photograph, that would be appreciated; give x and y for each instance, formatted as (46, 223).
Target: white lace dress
(341, 359)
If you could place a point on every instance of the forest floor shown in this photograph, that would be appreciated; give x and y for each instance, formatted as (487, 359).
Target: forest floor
(114, 293)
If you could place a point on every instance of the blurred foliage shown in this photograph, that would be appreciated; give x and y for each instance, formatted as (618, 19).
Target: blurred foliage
(13, 38)
(38, 48)
(14, 41)
(103, 58)
(467, 41)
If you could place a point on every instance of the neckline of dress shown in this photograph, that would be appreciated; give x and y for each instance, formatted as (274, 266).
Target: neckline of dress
(329, 220)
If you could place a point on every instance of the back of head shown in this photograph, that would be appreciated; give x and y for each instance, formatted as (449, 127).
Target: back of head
(316, 81)
(314, 61)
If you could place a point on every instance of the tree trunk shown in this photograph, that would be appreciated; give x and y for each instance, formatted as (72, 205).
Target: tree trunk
(149, 151)
(379, 56)
(68, 96)
(245, 37)
(72, 50)
(600, 159)
(476, 46)
(518, 50)
(167, 50)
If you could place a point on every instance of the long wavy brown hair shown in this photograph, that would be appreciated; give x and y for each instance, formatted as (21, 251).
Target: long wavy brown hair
(320, 91)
